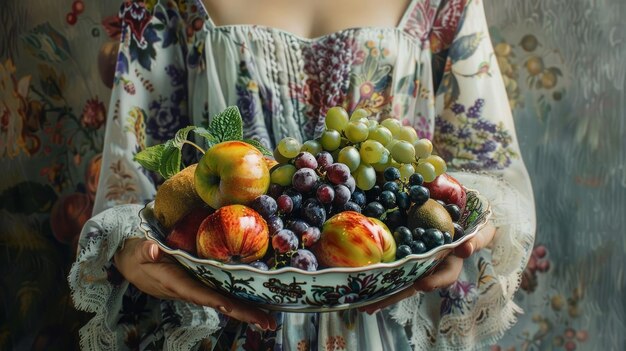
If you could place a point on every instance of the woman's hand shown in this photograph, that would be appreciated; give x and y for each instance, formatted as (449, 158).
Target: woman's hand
(145, 266)
(445, 274)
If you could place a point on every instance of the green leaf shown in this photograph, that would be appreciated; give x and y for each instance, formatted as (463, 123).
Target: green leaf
(170, 160)
(227, 125)
(150, 158)
(209, 139)
(181, 136)
(265, 151)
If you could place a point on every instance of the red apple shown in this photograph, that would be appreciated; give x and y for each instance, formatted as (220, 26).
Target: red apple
(350, 239)
(387, 241)
(232, 172)
(233, 234)
(184, 232)
(447, 189)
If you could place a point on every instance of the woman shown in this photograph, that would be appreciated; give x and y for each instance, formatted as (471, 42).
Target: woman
(426, 62)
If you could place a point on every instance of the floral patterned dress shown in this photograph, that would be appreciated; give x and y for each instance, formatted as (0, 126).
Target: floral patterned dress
(435, 71)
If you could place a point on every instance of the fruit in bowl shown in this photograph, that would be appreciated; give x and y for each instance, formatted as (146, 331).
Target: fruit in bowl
(335, 222)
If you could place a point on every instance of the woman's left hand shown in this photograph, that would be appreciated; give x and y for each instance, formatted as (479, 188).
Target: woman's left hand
(445, 274)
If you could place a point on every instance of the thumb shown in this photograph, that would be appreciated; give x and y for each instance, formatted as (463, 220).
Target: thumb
(150, 252)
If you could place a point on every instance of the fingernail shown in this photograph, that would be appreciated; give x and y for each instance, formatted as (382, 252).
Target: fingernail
(471, 245)
(258, 326)
(154, 252)
(223, 309)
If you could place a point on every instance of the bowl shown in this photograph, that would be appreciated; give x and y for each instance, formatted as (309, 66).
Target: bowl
(291, 289)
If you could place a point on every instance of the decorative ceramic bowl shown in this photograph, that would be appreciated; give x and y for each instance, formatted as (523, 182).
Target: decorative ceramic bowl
(294, 290)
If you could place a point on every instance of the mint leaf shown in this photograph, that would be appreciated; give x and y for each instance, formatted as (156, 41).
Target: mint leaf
(150, 158)
(209, 139)
(265, 151)
(181, 136)
(227, 125)
(170, 160)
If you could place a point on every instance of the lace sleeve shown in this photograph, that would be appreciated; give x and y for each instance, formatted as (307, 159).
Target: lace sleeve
(474, 132)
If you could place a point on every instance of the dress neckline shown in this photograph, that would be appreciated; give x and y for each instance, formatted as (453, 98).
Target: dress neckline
(209, 24)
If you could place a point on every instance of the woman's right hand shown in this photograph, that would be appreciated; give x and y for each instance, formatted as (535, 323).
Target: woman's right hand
(145, 266)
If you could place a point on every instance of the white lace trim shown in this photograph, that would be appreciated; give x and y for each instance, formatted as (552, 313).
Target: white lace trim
(92, 292)
(493, 312)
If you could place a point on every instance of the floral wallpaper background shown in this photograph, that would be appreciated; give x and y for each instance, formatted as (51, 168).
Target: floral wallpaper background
(562, 63)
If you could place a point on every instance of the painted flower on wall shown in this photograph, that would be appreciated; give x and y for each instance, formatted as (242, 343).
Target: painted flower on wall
(94, 114)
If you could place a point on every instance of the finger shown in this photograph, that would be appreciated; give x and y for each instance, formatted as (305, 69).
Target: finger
(149, 252)
(481, 240)
(446, 274)
(395, 298)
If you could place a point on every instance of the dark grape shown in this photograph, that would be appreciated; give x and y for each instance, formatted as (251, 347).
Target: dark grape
(296, 197)
(418, 247)
(275, 190)
(338, 173)
(284, 204)
(373, 193)
(418, 233)
(260, 265)
(419, 194)
(391, 174)
(391, 186)
(416, 179)
(459, 232)
(342, 195)
(402, 251)
(304, 179)
(324, 159)
(297, 226)
(304, 259)
(454, 211)
(274, 224)
(284, 241)
(433, 238)
(374, 209)
(325, 193)
(351, 184)
(265, 205)
(310, 236)
(402, 235)
(359, 198)
(395, 219)
(447, 238)
(351, 206)
(313, 212)
(387, 199)
(305, 160)
(403, 200)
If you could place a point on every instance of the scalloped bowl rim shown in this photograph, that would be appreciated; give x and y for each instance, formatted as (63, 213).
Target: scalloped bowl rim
(237, 267)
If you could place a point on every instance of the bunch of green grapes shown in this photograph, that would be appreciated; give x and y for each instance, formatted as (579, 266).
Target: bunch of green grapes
(368, 147)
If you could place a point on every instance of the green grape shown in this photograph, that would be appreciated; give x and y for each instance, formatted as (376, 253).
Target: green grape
(280, 158)
(356, 132)
(381, 134)
(311, 146)
(407, 134)
(393, 125)
(403, 152)
(330, 140)
(392, 143)
(427, 171)
(337, 118)
(423, 148)
(365, 176)
(438, 163)
(406, 170)
(289, 147)
(359, 114)
(371, 151)
(350, 157)
(384, 162)
(283, 174)
(371, 124)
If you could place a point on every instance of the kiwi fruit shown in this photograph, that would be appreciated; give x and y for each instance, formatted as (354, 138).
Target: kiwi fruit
(176, 197)
(430, 215)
